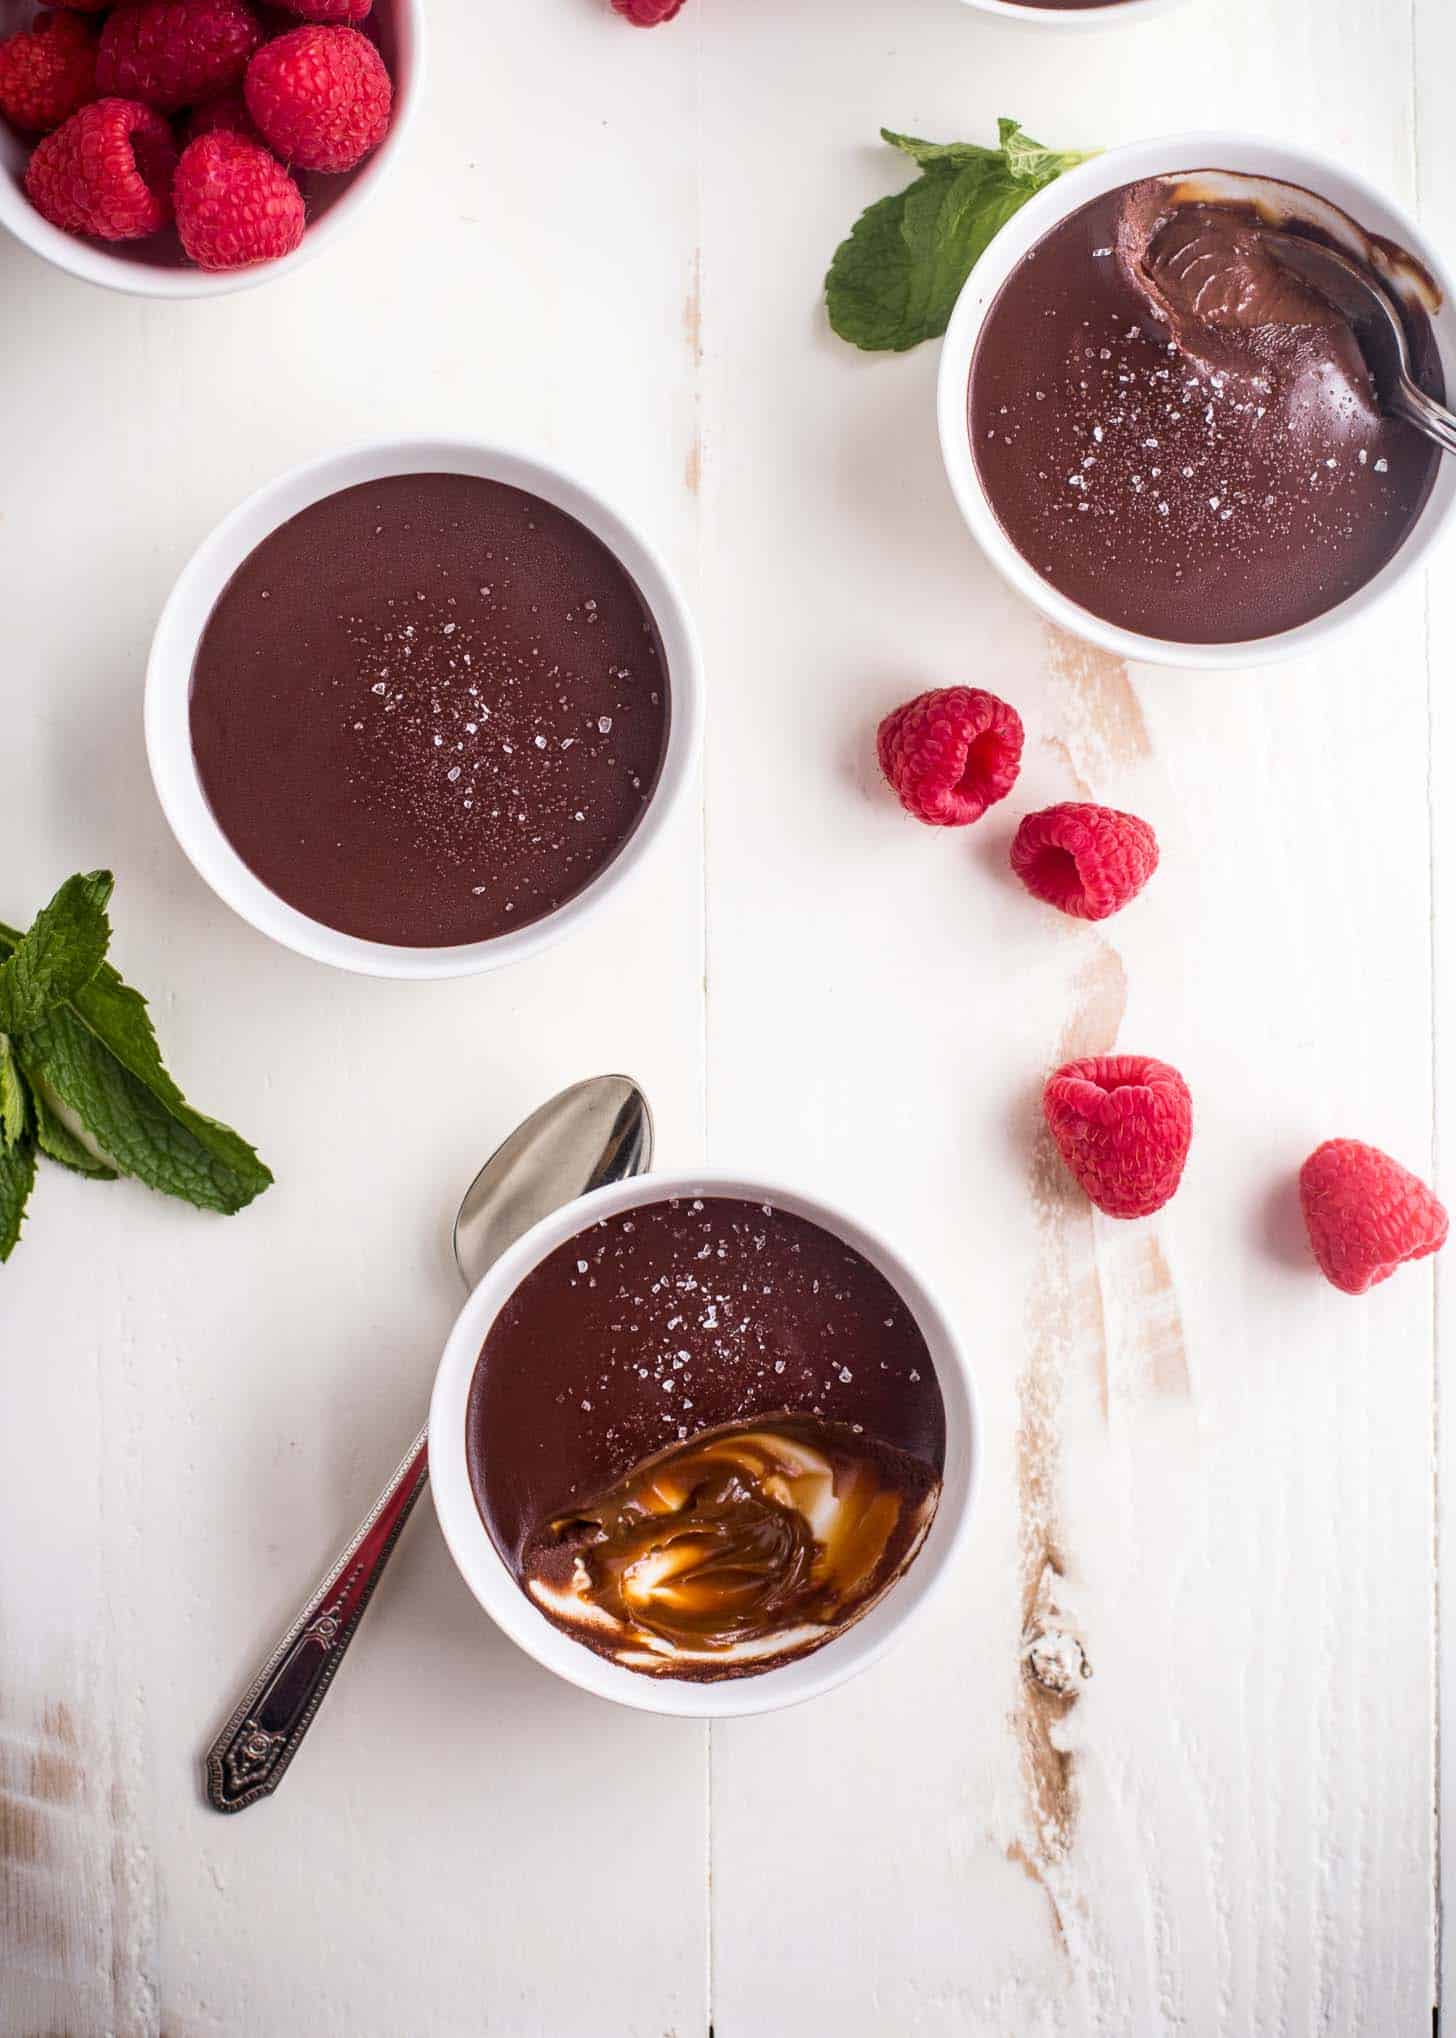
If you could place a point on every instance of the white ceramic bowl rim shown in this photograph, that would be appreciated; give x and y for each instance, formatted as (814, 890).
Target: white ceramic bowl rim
(133, 275)
(1223, 149)
(486, 1573)
(169, 680)
(1110, 15)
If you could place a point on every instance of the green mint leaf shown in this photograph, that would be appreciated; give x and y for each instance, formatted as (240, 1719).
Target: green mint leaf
(14, 1112)
(62, 951)
(1032, 164)
(100, 1056)
(926, 153)
(55, 1138)
(895, 281)
(17, 1179)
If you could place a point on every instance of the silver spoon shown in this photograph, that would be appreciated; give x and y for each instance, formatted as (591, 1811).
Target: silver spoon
(596, 1132)
(1378, 327)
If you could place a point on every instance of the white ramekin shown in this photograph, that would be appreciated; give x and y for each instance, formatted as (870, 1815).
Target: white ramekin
(136, 267)
(169, 684)
(485, 1572)
(1116, 14)
(1171, 155)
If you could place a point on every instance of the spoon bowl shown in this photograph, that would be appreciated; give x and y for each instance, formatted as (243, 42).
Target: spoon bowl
(1378, 327)
(597, 1132)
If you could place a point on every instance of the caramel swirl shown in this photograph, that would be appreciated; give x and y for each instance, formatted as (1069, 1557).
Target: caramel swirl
(743, 1545)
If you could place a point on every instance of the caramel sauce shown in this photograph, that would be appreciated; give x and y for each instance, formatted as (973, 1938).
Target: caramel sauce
(747, 1543)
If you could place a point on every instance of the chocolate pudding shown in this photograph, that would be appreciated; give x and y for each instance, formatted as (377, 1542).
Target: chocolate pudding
(705, 1436)
(429, 710)
(1179, 433)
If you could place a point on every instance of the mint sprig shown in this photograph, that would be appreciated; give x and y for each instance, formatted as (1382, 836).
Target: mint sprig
(14, 1099)
(895, 281)
(17, 1178)
(61, 953)
(75, 1039)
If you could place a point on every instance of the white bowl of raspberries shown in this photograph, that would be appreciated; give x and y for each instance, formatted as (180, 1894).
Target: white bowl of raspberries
(179, 148)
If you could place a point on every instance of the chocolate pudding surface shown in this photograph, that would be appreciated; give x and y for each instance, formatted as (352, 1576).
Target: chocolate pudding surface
(678, 1317)
(430, 709)
(1181, 437)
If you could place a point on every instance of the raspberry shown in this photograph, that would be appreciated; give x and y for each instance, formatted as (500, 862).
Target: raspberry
(227, 114)
(321, 97)
(107, 172)
(172, 53)
(329, 10)
(648, 13)
(1122, 1124)
(47, 72)
(1088, 861)
(236, 204)
(951, 754)
(1365, 1214)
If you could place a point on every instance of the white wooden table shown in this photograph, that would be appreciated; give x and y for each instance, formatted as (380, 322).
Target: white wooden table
(609, 245)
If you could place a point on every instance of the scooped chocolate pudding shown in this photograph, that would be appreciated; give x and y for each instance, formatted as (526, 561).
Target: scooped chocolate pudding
(429, 710)
(706, 1436)
(1181, 434)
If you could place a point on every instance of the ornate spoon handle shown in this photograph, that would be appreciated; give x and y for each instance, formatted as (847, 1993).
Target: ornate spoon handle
(249, 1756)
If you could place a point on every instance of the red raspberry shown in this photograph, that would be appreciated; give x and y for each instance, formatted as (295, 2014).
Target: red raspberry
(648, 13)
(47, 72)
(1122, 1124)
(1366, 1215)
(329, 10)
(172, 53)
(321, 97)
(951, 754)
(107, 172)
(236, 204)
(227, 114)
(1087, 860)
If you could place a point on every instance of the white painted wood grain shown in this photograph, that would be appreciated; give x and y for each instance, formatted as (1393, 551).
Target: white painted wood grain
(1435, 63)
(1230, 1832)
(194, 1410)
